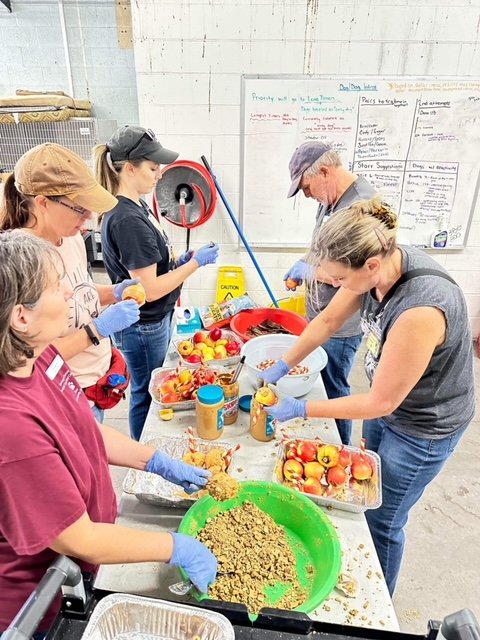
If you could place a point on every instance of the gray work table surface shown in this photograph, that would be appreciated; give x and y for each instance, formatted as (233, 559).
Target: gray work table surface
(372, 605)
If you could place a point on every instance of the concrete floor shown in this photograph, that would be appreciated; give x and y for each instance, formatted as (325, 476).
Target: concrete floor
(441, 567)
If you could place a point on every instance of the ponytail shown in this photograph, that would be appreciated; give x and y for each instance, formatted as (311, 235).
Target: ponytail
(16, 211)
(107, 173)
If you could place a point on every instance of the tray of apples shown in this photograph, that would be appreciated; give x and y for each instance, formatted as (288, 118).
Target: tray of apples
(177, 388)
(221, 345)
(331, 475)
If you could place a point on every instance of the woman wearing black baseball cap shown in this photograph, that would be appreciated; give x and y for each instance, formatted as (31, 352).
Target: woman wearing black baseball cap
(133, 242)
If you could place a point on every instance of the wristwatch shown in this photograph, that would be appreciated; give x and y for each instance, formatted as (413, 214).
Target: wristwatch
(89, 331)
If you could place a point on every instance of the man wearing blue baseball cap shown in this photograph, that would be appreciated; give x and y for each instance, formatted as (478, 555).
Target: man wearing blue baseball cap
(316, 169)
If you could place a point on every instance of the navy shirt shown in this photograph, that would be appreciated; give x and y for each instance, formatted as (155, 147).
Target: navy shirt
(133, 239)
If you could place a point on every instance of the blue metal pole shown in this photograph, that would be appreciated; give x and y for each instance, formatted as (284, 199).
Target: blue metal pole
(240, 232)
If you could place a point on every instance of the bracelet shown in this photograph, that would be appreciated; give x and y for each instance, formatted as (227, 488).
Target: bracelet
(89, 331)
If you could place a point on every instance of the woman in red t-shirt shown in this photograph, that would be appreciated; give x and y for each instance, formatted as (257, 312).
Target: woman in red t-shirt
(56, 494)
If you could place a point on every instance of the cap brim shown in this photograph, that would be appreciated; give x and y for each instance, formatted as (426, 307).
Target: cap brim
(294, 187)
(96, 199)
(162, 156)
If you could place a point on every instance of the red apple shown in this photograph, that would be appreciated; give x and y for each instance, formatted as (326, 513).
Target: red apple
(291, 449)
(233, 347)
(313, 486)
(194, 359)
(361, 468)
(200, 336)
(307, 451)
(292, 468)
(345, 458)
(314, 470)
(337, 476)
(215, 334)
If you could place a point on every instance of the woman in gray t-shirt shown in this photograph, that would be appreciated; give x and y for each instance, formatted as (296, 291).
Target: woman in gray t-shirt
(419, 360)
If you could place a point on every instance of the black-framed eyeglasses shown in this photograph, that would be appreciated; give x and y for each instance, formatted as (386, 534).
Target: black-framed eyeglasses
(80, 211)
(149, 134)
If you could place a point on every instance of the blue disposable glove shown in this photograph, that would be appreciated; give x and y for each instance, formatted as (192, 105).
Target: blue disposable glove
(119, 288)
(117, 317)
(300, 271)
(196, 559)
(287, 409)
(184, 258)
(207, 254)
(191, 478)
(273, 374)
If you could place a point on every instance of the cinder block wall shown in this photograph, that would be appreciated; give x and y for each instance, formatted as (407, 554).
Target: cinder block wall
(189, 58)
(32, 55)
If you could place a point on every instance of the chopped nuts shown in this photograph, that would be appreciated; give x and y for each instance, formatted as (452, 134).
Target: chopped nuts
(221, 486)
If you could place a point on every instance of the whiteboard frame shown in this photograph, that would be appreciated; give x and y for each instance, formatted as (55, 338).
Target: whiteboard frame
(300, 76)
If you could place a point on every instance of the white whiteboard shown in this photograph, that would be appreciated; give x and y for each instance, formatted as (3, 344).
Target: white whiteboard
(417, 141)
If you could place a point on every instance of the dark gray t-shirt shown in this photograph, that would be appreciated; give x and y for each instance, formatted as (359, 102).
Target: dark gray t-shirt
(319, 294)
(443, 400)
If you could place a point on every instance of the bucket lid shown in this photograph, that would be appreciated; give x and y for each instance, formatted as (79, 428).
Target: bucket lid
(210, 394)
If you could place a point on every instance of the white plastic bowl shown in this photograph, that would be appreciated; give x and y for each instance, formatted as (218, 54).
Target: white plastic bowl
(273, 347)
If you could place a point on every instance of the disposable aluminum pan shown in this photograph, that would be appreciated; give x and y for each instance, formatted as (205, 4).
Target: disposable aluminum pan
(356, 497)
(151, 488)
(125, 617)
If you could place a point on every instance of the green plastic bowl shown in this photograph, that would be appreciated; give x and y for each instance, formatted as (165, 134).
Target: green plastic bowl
(309, 531)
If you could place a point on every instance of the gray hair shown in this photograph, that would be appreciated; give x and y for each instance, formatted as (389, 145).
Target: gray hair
(368, 228)
(330, 158)
(24, 276)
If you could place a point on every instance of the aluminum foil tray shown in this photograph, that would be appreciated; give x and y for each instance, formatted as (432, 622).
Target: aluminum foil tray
(125, 617)
(150, 488)
(369, 498)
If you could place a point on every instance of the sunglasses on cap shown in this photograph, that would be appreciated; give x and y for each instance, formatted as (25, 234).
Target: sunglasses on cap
(149, 134)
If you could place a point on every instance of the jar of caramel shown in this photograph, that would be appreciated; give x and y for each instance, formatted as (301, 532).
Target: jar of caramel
(209, 411)
(262, 425)
(231, 391)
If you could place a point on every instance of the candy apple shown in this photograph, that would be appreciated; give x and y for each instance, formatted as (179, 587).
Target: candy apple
(215, 334)
(220, 352)
(291, 450)
(200, 336)
(307, 451)
(233, 347)
(194, 359)
(313, 486)
(135, 292)
(185, 376)
(314, 470)
(337, 476)
(185, 348)
(168, 386)
(265, 396)
(361, 468)
(292, 468)
(344, 458)
(328, 455)
(170, 398)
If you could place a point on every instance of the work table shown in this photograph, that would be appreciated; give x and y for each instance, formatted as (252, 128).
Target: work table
(372, 605)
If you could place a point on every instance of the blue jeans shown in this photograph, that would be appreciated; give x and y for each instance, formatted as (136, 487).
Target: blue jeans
(409, 464)
(144, 347)
(98, 413)
(341, 353)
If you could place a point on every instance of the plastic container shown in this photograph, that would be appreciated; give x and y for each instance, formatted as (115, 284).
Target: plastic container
(163, 374)
(311, 534)
(229, 360)
(295, 303)
(241, 322)
(273, 347)
(209, 410)
(231, 393)
(353, 496)
(262, 426)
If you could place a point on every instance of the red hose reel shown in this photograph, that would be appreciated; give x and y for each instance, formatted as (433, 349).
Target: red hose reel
(185, 195)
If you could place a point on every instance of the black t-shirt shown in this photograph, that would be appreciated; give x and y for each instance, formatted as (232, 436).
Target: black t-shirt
(133, 239)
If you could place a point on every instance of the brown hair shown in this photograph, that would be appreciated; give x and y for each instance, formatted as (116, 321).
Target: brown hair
(107, 172)
(17, 209)
(24, 275)
(368, 228)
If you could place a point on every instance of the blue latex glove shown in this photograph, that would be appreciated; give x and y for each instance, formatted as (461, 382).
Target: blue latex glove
(273, 374)
(196, 559)
(119, 288)
(184, 258)
(300, 271)
(191, 478)
(117, 317)
(207, 254)
(287, 409)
